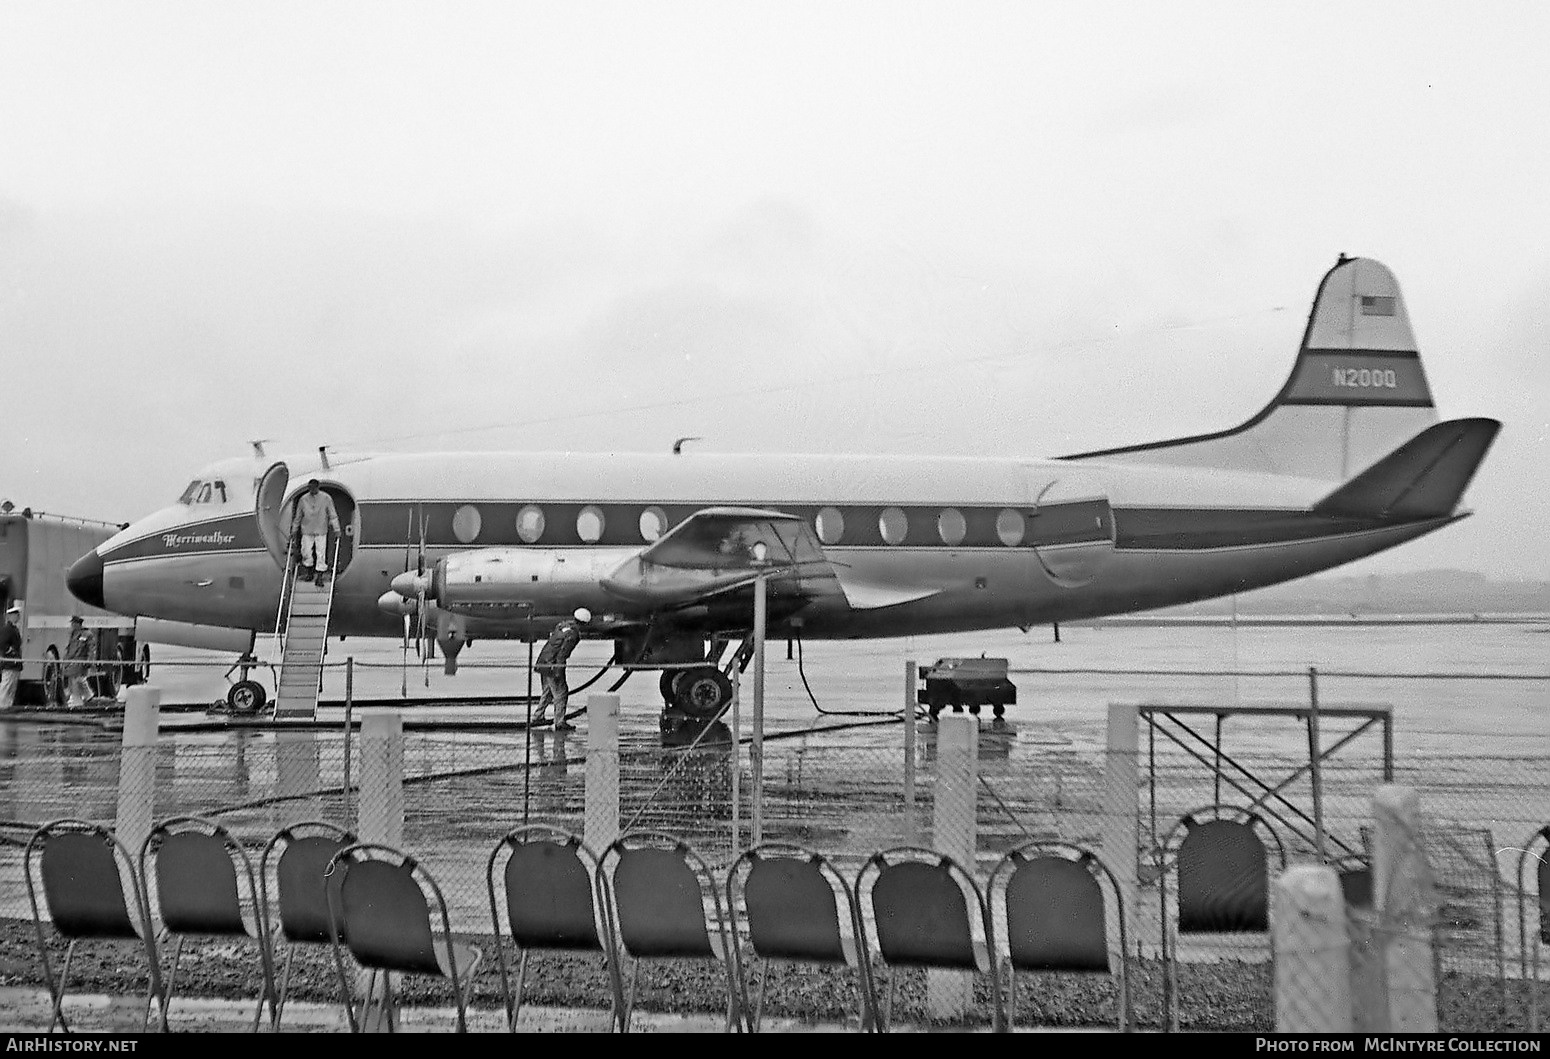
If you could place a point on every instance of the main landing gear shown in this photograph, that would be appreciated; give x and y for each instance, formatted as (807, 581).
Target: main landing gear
(695, 675)
(700, 693)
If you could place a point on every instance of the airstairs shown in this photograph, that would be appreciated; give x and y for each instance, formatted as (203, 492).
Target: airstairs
(302, 633)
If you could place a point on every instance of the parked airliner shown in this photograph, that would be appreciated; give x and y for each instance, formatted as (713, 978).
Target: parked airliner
(1348, 459)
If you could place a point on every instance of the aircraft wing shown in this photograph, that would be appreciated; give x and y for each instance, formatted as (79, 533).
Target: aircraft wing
(714, 551)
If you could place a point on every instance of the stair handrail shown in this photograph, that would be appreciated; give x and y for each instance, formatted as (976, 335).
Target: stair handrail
(328, 612)
(282, 614)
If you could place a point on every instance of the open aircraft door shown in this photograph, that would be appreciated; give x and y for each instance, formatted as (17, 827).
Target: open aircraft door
(1071, 527)
(275, 510)
(270, 499)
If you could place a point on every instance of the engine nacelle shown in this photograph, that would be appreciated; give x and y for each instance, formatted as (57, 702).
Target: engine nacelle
(537, 581)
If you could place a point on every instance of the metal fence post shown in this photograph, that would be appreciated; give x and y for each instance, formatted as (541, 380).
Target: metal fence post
(950, 993)
(909, 738)
(1315, 762)
(349, 722)
(737, 757)
(756, 749)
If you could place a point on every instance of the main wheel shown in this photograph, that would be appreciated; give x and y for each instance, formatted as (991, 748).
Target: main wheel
(246, 696)
(702, 692)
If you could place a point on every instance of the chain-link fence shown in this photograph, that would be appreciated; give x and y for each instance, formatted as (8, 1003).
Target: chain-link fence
(1130, 789)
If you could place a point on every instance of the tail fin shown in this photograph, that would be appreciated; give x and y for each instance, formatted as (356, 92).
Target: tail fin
(1356, 393)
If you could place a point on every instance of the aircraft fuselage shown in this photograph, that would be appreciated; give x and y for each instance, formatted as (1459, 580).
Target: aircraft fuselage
(923, 545)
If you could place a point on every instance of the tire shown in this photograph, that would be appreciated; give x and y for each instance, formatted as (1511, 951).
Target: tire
(246, 696)
(702, 693)
(665, 685)
(53, 680)
(143, 667)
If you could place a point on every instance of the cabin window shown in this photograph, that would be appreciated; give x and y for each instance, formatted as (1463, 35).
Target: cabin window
(893, 524)
(205, 492)
(830, 525)
(466, 523)
(589, 524)
(1009, 527)
(653, 523)
(952, 528)
(189, 493)
(530, 524)
(220, 490)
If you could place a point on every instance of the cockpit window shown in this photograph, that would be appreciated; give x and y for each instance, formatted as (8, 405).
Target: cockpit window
(201, 492)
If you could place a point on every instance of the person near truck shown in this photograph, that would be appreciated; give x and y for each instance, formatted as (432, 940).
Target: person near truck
(315, 518)
(10, 658)
(80, 652)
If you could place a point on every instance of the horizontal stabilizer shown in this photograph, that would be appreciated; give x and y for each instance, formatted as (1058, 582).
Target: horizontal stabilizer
(1423, 478)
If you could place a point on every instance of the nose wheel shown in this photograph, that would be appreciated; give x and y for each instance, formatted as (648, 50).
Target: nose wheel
(246, 696)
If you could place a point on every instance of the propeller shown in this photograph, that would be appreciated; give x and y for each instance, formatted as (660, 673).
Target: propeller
(404, 665)
(412, 591)
(422, 647)
(409, 597)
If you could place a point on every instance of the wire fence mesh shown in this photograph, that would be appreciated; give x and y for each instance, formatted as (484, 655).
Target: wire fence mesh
(847, 787)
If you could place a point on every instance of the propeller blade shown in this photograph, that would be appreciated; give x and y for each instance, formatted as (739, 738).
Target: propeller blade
(419, 615)
(403, 664)
(419, 564)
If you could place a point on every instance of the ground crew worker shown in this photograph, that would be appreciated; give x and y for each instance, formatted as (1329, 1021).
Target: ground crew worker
(551, 665)
(315, 517)
(80, 651)
(10, 658)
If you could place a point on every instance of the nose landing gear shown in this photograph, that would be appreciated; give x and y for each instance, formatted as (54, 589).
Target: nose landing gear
(246, 697)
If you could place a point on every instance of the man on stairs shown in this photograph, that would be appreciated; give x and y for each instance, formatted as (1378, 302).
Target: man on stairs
(315, 518)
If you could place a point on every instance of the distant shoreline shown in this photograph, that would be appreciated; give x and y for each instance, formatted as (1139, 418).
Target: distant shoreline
(1274, 620)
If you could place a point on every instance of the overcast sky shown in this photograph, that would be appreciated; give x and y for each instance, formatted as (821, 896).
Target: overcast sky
(970, 228)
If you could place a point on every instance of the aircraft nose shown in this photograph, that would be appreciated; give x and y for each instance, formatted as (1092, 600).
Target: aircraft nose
(85, 579)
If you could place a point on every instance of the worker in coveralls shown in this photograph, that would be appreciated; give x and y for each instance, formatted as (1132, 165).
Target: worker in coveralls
(551, 665)
(315, 517)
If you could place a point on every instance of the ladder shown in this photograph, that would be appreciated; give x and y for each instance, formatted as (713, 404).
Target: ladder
(304, 642)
